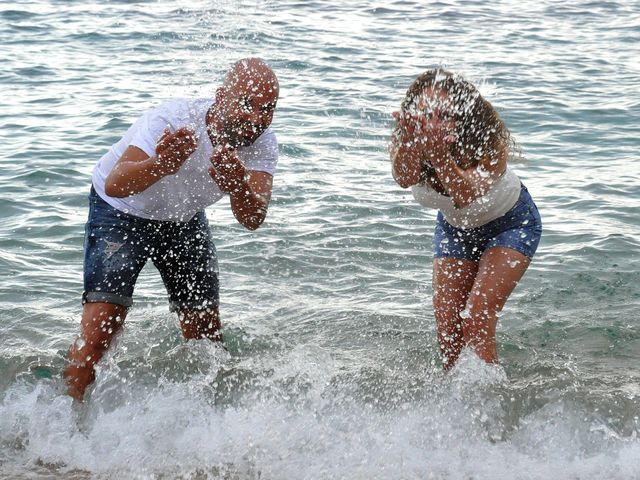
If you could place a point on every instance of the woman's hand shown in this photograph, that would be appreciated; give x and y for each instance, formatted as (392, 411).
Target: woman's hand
(437, 141)
(412, 132)
(405, 152)
(417, 143)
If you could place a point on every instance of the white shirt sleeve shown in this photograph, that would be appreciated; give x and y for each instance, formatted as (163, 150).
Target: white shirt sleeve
(151, 127)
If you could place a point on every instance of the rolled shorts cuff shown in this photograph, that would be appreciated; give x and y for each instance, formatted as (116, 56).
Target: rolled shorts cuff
(527, 247)
(106, 297)
(181, 306)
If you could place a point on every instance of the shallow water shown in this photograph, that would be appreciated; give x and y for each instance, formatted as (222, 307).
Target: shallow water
(332, 369)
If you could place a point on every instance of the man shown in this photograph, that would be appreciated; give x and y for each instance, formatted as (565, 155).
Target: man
(147, 202)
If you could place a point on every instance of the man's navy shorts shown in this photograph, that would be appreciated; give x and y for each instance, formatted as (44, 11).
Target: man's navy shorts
(117, 245)
(519, 229)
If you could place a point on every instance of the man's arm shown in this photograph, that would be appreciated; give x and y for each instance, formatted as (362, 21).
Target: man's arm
(249, 190)
(135, 171)
(249, 203)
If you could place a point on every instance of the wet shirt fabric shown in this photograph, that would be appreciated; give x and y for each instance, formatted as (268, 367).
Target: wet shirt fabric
(519, 228)
(496, 202)
(180, 196)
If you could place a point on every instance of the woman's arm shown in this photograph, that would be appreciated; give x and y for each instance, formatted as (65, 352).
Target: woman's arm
(405, 153)
(432, 140)
(405, 166)
(466, 185)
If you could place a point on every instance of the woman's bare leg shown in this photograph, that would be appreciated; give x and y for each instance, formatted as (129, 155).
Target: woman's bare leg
(453, 279)
(499, 271)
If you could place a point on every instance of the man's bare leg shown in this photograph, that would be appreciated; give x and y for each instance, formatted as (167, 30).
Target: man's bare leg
(197, 324)
(100, 323)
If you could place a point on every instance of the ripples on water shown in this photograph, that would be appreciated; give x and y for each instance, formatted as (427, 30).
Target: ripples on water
(332, 370)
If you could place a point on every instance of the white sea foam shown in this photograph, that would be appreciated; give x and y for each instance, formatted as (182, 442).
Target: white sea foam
(177, 429)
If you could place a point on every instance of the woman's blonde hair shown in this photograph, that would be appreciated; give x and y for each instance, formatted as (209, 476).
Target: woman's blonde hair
(479, 129)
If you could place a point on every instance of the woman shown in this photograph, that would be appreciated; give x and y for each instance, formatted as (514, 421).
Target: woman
(451, 147)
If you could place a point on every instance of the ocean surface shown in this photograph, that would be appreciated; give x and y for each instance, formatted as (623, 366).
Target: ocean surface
(332, 369)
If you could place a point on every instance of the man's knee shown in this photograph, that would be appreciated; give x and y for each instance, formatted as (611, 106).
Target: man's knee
(100, 321)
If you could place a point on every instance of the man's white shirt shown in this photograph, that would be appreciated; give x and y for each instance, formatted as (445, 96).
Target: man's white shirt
(180, 196)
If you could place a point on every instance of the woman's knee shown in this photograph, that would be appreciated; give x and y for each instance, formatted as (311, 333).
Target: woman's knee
(479, 324)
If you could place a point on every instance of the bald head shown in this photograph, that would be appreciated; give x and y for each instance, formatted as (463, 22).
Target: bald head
(245, 103)
(254, 74)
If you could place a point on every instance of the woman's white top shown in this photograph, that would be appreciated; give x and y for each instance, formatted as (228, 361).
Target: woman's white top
(500, 198)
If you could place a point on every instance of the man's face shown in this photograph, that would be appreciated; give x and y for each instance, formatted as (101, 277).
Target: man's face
(246, 105)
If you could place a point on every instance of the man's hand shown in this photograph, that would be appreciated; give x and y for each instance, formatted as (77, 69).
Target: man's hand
(173, 149)
(228, 171)
(249, 191)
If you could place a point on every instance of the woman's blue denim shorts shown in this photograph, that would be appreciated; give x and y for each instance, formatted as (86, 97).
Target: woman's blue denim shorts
(519, 229)
(117, 245)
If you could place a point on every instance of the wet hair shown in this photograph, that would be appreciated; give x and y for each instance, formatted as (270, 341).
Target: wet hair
(479, 129)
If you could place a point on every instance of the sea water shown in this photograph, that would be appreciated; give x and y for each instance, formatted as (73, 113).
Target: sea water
(332, 368)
